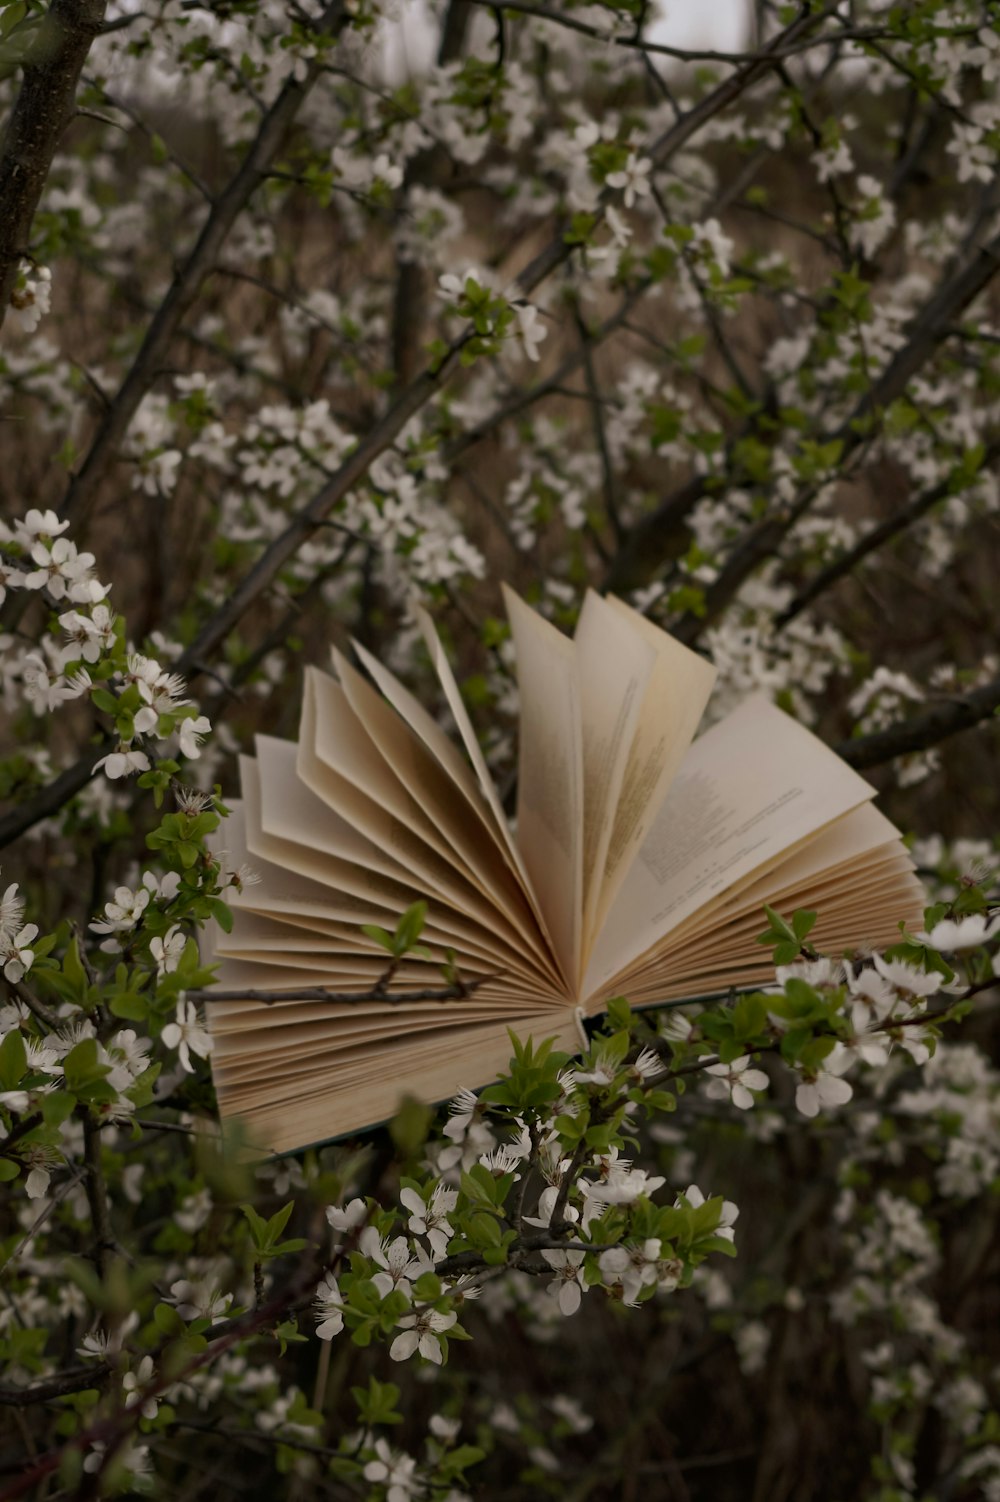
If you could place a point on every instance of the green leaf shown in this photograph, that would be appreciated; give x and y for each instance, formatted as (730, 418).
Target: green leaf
(13, 1060)
(778, 925)
(378, 1404)
(73, 968)
(286, 1248)
(409, 928)
(483, 1229)
(222, 914)
(410, 1126)
(619, 1012)
(82, 1067)
(57, 1107)
(802, 922)
(167, 1320)
(8, 1170)
(427, 1288)
(785, 954)
(258, 1226)
(104, 701)
(130, 1005)
(378, 935)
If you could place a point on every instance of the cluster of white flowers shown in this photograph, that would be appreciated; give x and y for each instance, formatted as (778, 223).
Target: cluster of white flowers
(151, 445)
(46, 560)
(123, 1059)
(42, 558)
(15, 936)
(31, 296)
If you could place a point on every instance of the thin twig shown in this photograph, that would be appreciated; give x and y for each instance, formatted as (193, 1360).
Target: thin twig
(374, 993)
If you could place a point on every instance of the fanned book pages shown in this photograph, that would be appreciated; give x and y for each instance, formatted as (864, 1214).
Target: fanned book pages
(639, 865)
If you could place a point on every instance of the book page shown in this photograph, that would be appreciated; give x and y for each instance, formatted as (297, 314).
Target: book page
(441, 804)
(848, 843)
(291, 810)
(550, 776)
(470, 740)
(427, 728)
(338, 762)
(488, 811)
(674, 701)
(753, 786)
(365, 1087)
(346, 878)
(614, 665)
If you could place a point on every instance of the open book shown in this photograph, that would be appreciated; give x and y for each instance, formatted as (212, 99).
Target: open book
(639, 866)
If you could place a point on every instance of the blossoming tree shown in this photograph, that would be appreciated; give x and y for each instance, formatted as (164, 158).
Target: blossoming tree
(290, 341)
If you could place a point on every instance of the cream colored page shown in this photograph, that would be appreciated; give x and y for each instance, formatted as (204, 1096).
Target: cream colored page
(614, 666)
(450, 759)
(847, 842)
(376, 802)
(341, 1102)
(293, 811)
(862, 889)
(672, 706)
(851, 841)
(471, 742)
(550, 777)
(333, 731)
(445, 752)
(344, 877)
(486, 863)
(754, 785)
(277, 889)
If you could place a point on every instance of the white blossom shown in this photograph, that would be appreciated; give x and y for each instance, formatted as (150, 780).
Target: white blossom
(167, 951)
(735, 1081)
(956, 934)
(123, 762)
(568, 1285)
(633, 178)
(347, 1219)
(420, 1333)
(329, 1309)
(186, 1034)
(826, 1088)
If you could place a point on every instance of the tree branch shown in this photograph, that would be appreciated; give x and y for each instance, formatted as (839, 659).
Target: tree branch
(319, 993)
(893, 525)
(74, 1379)
(953, 294)
(44, 105)
(677, 135)
(188, 281)
(918, 732)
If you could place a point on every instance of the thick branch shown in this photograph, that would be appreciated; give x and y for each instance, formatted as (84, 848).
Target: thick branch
(188, 282)
(97, 1193)
(923, 730)
(893, 525)
(931, 325)
(48, 800)
(74, 1379)
(44, 105)
(676, 137)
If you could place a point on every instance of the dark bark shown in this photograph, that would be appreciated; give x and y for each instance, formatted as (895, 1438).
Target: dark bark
(44, 105)
(921, 731)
